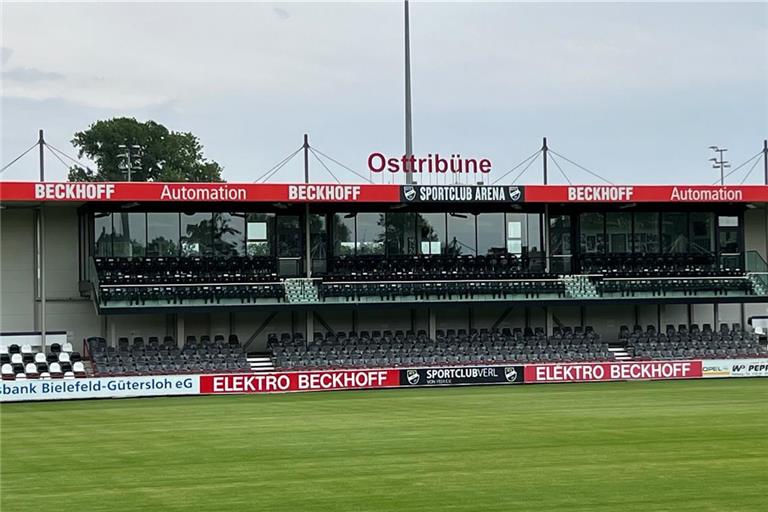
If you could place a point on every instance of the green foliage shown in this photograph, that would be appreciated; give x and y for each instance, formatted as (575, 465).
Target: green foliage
(688, 446)
(165, 155)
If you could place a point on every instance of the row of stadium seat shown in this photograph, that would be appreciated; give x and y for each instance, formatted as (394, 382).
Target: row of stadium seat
(462, 348)
(659, 265)
(688, 286)
(691, 342)
(157, 358)
(209, 294)
(353, 291)
(23, 362)
(173, 270)
(432, 267)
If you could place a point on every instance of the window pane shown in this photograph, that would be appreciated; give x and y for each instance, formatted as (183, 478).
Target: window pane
(318, 236)
(674, 232)
(163, 234)
(130, 235)
(490, 233)
(560, 234)
(592, 234)
(370, 233)
(289, 244)
(646, 237)
(401, 233)
(228, 234)
(196, 234)
(431, 232)
(343, 234)
(260, 228)
(702, 233)
(102, 234)
(619, 228)
(729, 241)
(461, 234)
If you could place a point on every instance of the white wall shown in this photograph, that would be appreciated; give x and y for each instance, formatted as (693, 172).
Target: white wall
(17, 297)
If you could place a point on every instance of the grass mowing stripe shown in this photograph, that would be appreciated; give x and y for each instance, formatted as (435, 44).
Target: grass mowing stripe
(683, 445)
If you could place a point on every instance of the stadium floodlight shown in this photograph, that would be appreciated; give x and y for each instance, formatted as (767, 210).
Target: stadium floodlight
(130, 159)
(719, 163)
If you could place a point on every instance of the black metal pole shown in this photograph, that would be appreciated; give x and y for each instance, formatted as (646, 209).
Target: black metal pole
(307, 226)
(545, 150)
(41, 143)
(408, 115)
(765, 160)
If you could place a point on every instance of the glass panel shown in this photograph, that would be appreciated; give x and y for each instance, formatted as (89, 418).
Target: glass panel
(490, 233)
(318, 237)
(288, 236)
(431, 232)
(196, 234)
(102, 234)
(728, 221)
(401, 233)
(343, 234)
(229, 234)
(646, 237)
(702, 233)
(370, 233)
(461, 234)
(619, 228)
(729, 241)
(592, 227)
(560, 234)
(163, 234)
(130, 233)
(259, 233)
(674, 232)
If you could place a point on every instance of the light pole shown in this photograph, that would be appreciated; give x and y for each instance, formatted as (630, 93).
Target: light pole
(720, 163)
(130, 159)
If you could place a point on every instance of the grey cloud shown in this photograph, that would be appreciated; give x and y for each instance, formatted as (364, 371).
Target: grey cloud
(281, 13)
(30, 75)
(5, 54)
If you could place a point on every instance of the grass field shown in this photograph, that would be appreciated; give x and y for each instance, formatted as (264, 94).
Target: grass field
(678, 446)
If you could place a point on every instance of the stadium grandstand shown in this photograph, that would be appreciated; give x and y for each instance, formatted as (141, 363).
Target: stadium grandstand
(158, 278)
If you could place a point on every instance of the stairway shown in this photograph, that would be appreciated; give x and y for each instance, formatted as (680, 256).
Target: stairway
(758, 283)
(300, 290)
(620, 353)
(579, 287)
(260, 364)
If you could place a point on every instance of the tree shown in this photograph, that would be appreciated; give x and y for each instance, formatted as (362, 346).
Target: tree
(165, 155)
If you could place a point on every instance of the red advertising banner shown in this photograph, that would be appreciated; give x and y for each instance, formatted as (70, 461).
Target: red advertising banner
(597, 372)
(196, 192)
(299, 381)
(645, 194)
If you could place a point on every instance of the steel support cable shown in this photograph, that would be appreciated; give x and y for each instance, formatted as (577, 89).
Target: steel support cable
(278, 165)
(323, 164)
(745, 178)
(65, 164)
(342, 165)
(561, 170)
(520, 174)
(582, 167)
(18, 157)
(76, 161)
(516, 167)
(737, 168)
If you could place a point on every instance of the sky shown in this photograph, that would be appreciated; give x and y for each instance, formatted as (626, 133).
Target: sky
(636, 92)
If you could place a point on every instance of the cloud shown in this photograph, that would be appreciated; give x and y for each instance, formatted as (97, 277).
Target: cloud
(281, 13)
(26, 75)
(5, 54)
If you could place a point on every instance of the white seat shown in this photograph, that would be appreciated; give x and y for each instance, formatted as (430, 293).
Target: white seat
(78, 367)
(6, 369)
(3, 349)
(64, 357)
(21, 376)
(67, 347)
(40, 357)
(69, 375)
(45, 375)
(26, 349)
(31, 369)
(55, 369)
(16, 359)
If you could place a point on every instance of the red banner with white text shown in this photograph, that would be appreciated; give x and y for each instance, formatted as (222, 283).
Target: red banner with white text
(299, 381)
(599, 372)
(646, 194)
(196, 192)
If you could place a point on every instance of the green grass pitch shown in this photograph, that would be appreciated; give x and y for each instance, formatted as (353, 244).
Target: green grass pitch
(641, 446)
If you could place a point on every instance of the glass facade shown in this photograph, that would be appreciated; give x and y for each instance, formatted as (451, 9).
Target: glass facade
(343, 234)
(461, 235)
(371, 233)
(646, 233)
(592, 233)
(162, 234)
(674, 232)
(196, 234)
(618, 230)
(490, 234)
(259, 233)
(401, 233)
(228, 234)
(102, 234)
(430, 233)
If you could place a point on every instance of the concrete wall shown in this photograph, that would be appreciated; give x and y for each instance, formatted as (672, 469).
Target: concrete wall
(17, 293)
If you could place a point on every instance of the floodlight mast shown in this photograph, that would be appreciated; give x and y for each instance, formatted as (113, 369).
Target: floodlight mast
(408, 119)
(720, 163)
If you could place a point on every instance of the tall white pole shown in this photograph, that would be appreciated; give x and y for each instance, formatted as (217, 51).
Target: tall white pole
(408, 120)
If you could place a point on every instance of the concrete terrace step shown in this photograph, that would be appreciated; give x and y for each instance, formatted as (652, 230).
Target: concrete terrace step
(261, 363)
(620, 354)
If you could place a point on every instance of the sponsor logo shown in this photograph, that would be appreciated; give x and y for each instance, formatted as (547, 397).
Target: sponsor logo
(323, 192)
(413, 377)
(600, 193)
(706, 194)
(74, 191)
(298, 381)
(462, 193)
(510, 373)
(203, 193)
(515, 194)
(461, 375)
(593, 372)
(409, 193)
